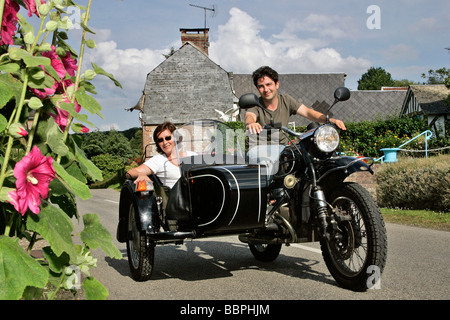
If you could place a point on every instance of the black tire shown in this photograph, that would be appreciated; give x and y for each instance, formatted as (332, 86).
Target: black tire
(265, 252)
(140, 252)
(357, 258)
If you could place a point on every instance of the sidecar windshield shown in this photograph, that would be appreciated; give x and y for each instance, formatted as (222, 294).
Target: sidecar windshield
(209, 142)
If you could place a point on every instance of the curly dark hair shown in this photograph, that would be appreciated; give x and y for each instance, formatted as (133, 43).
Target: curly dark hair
(160, 128)
(262, 72)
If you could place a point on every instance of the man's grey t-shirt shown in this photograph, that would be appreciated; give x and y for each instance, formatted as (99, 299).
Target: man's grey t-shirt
(287, 106)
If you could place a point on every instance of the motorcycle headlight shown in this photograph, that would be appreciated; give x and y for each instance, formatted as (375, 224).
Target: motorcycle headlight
(327, 138)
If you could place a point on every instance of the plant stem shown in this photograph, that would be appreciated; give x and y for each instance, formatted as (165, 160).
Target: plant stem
(2, 6)
(78, 77)
(11, 139)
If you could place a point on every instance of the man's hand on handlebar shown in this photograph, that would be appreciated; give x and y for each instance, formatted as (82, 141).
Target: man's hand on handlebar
(254, 127)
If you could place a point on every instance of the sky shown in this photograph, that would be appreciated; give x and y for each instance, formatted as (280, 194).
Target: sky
(404, 37)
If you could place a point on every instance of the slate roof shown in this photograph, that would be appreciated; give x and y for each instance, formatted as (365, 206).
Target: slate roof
(429, 99)
(369, 105)
(186, 86)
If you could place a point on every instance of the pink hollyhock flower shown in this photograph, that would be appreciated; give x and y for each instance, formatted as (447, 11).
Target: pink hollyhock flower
(84, 129)
(33, 173)
(69, 64)
(9, 22)
(61, 118)
(31, 7)
(56, 63)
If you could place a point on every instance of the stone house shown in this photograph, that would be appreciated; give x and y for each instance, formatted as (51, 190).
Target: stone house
(188, 85)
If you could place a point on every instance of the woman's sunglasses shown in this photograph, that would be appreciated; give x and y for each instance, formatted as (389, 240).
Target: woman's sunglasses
(168, 138)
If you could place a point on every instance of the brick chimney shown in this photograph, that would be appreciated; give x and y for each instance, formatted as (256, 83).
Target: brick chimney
(198, 37)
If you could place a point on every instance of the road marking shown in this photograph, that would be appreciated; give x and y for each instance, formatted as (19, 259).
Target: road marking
(112, 201)
(306, 248)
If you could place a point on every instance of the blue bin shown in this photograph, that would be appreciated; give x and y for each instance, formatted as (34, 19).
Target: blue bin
(390, 154)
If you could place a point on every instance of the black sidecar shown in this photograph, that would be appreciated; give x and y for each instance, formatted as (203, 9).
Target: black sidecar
(218, 193)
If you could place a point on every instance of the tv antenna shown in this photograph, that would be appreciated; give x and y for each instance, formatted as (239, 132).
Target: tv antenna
(213, 10)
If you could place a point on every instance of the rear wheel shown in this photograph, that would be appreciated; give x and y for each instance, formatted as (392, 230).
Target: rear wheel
(265, 252)
(356, 253)
(140, 251)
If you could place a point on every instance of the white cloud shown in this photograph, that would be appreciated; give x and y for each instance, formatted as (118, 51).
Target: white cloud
(129, 66)
(240, 47)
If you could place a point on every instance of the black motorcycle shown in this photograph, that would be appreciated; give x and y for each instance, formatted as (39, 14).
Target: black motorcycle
(296, 195)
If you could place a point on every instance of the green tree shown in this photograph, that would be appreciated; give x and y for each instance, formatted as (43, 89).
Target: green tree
(117, 144)
(374, 79)
(93, 143)
(437, 76)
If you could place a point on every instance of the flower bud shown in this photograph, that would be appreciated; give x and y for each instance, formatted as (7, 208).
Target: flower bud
(44, 9)
(29, 38)
(17, 130)
(89, 74)
(35, 103)
(51, 25)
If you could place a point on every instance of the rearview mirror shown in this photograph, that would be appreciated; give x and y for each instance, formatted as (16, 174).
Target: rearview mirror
(342, 94)
(249, 100)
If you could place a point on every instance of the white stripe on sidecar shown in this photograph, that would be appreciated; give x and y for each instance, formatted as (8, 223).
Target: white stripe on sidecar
(223, 197)
(259, 192)
(238, 195)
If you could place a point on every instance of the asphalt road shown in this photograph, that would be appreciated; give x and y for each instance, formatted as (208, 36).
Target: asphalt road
(223, 268)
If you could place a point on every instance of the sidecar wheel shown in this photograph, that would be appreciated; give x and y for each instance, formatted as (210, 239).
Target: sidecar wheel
(140, 251)
(265, 252)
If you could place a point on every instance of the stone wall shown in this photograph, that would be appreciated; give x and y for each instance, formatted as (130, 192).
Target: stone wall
(366, 179)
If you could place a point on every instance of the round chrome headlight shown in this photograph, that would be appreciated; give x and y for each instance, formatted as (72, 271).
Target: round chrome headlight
(327, 138)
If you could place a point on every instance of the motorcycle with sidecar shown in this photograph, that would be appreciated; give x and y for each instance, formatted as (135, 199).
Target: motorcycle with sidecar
(296, 194)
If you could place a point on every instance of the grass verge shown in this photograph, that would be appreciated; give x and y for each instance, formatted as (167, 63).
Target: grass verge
(418, 218)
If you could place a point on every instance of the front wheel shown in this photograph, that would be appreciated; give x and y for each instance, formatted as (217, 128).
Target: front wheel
(356, 252)
(140, 251)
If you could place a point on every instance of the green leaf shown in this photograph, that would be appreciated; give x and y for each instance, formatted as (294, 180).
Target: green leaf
(66, 202)
(54, 225)
(18, 270)
(9, 88)
(99, 70)
(55, 138)
(71, 183)
(10, 67)
(3, 123)
(88, 102)
(85, 28)
(96, 235)
(4, 194)
(55, 263)
(94, 290)
(24, 24)
(87, 165)
(16, 53)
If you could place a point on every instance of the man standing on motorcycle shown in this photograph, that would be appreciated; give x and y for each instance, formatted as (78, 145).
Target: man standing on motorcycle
(280, 106)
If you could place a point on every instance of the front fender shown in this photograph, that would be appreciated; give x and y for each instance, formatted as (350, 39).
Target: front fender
(144, 206)
(337, 169)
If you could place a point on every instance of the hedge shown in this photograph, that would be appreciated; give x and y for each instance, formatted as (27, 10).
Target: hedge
(414, 183)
